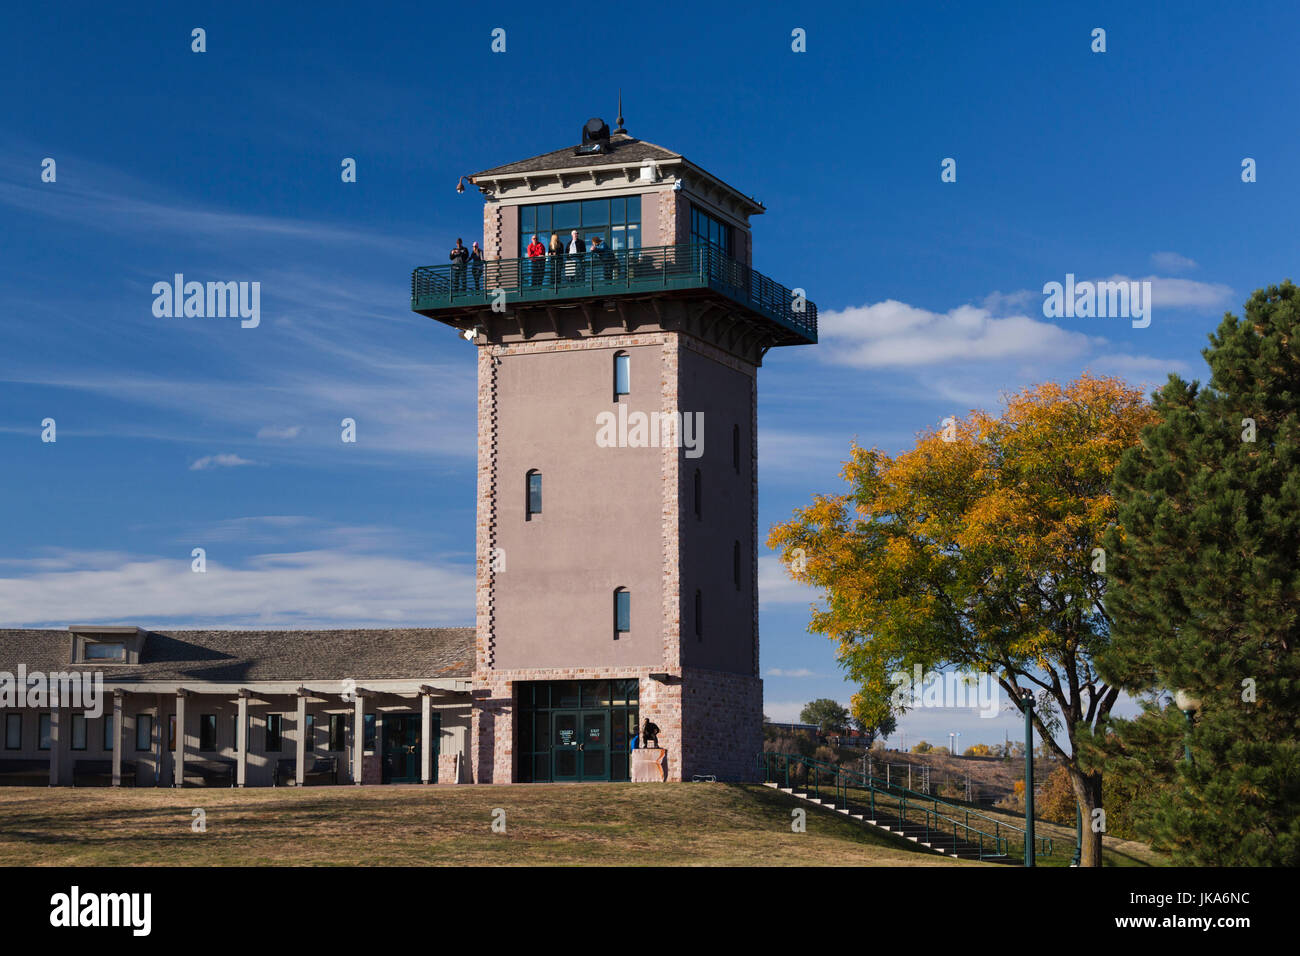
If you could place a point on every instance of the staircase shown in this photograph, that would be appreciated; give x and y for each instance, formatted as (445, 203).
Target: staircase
(936, 825)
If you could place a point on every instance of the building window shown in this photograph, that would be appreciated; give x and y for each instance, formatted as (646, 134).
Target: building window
(13, 731)
(43, 732)
(274, 733)
(735, 448)
(710, 230)
(534, 503)
(103, 651)
(144, 731)
(622, 374)
(78, 731)
(368, 738)
(338, 731)
(549, 715)
(171, 732)
(622, 612)
(699, 615)
(735, 563)
(110, 735)
(617, 221)
(208, 731)
(699, 495)
(309, 732)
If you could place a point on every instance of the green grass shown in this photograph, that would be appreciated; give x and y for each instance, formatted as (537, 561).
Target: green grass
(555, 824)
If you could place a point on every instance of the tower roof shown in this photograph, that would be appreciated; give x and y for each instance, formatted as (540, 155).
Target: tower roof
(623, 150)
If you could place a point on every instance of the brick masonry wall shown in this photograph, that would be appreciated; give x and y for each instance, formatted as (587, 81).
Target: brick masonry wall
(722, 718)
(493, 232)
(447, 768)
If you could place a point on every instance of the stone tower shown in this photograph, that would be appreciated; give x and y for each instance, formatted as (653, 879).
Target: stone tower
(617, 461)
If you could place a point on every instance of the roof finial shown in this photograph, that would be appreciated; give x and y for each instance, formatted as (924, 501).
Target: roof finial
(619, 128)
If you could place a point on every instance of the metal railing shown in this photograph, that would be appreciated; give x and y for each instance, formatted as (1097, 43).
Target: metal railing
(611, 271)
(879, 800)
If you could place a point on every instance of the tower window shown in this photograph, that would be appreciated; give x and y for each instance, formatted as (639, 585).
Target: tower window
(735, 563)
(706, 229)
(622, 612)
(699, 615)
(735, 448)
(622, 374)
(699, 495)
(534, 504)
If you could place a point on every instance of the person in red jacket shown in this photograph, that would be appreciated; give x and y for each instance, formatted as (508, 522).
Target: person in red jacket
(537, 252)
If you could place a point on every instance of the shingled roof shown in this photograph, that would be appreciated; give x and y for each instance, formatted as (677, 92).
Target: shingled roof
(624, 150)
(231, 656)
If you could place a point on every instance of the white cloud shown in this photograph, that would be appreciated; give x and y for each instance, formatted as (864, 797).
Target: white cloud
(270, 431)
(318, 588)
(895, 334)
(1181, 293)
(1172, 262)
(219, 461)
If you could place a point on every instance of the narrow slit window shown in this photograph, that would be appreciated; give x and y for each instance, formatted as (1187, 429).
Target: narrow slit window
(534, 493)
(622, 374)
(622, 611)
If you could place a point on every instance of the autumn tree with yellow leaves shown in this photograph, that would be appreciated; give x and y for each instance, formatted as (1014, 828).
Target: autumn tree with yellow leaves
(980, 549)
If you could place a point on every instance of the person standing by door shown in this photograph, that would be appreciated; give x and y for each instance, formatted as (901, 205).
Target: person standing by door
(576, 262)
(555, 255)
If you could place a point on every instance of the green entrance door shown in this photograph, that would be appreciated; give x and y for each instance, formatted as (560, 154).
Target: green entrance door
(580, 745)
(402, 748)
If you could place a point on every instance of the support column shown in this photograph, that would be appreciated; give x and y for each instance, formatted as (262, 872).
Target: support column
(178, 779)
(117, 738)
(358, 738)
(54, 746)
(301, 770)
(241, 740)
(426, 736)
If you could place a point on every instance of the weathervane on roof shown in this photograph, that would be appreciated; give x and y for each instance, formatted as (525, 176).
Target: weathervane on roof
(619, 128)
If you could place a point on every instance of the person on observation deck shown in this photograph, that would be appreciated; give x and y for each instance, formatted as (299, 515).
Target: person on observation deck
(476, 266)
(555, 253)
(537, 252)
(576, 266)
(459, 256)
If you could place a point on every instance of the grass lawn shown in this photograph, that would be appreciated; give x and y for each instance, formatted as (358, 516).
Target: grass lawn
(553, 824)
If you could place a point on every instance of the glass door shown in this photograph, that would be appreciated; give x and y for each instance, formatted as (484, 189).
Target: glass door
(566, 747)
(595, 745)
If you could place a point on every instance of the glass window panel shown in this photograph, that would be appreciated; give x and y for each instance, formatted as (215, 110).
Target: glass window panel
(534, 493)
(527, 219)
(623, 611)
(144, 731)
(617, 210)
(542, 768)
(171, 732)
(274, 732)
(595, 693)
(310, 730)
(13, 731)
(618, 767)
(617, 237)
(368, 737)
(110, 738)
(564, 694)
(43, 732)
(542, 732)
(595, 212)
(96, 651)
(622, 374)
(208, 731)
(544, 221)
(78, 731)
(633, 209)
(633, 236)
(564, 217)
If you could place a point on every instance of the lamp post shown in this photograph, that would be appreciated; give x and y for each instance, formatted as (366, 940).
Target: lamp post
(957, 750)
(1189, 705)
(1028, 707)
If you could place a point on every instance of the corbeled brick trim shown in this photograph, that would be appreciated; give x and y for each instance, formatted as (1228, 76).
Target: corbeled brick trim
(671, 624)
(492, 225)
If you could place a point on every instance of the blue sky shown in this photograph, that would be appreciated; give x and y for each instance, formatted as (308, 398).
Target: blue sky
(183, 433)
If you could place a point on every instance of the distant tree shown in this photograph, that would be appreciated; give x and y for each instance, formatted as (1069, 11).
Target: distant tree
(878, 729)
(979, 750)
(977, 549)
(829, 716)
(1057, 801)
(924, 747)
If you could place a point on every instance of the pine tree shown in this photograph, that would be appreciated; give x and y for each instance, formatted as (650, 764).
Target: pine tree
(1204, 593)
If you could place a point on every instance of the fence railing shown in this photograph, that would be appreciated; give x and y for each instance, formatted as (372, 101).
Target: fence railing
(883, 801)
(610, 271)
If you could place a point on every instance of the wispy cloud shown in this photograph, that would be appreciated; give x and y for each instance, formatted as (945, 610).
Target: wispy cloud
(796, 672)
(219, 461)
(301, 589)
(1172, 262)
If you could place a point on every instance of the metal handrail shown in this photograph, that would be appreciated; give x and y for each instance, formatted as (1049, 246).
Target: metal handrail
(611, 271)
(775, 765)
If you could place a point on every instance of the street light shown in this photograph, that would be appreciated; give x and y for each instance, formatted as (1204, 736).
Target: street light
(1190, 706)
(1028, 706)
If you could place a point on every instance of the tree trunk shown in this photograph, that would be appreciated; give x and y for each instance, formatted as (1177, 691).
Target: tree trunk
(1087, 790)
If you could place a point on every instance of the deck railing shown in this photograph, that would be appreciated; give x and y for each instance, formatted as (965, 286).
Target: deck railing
(611, 272)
